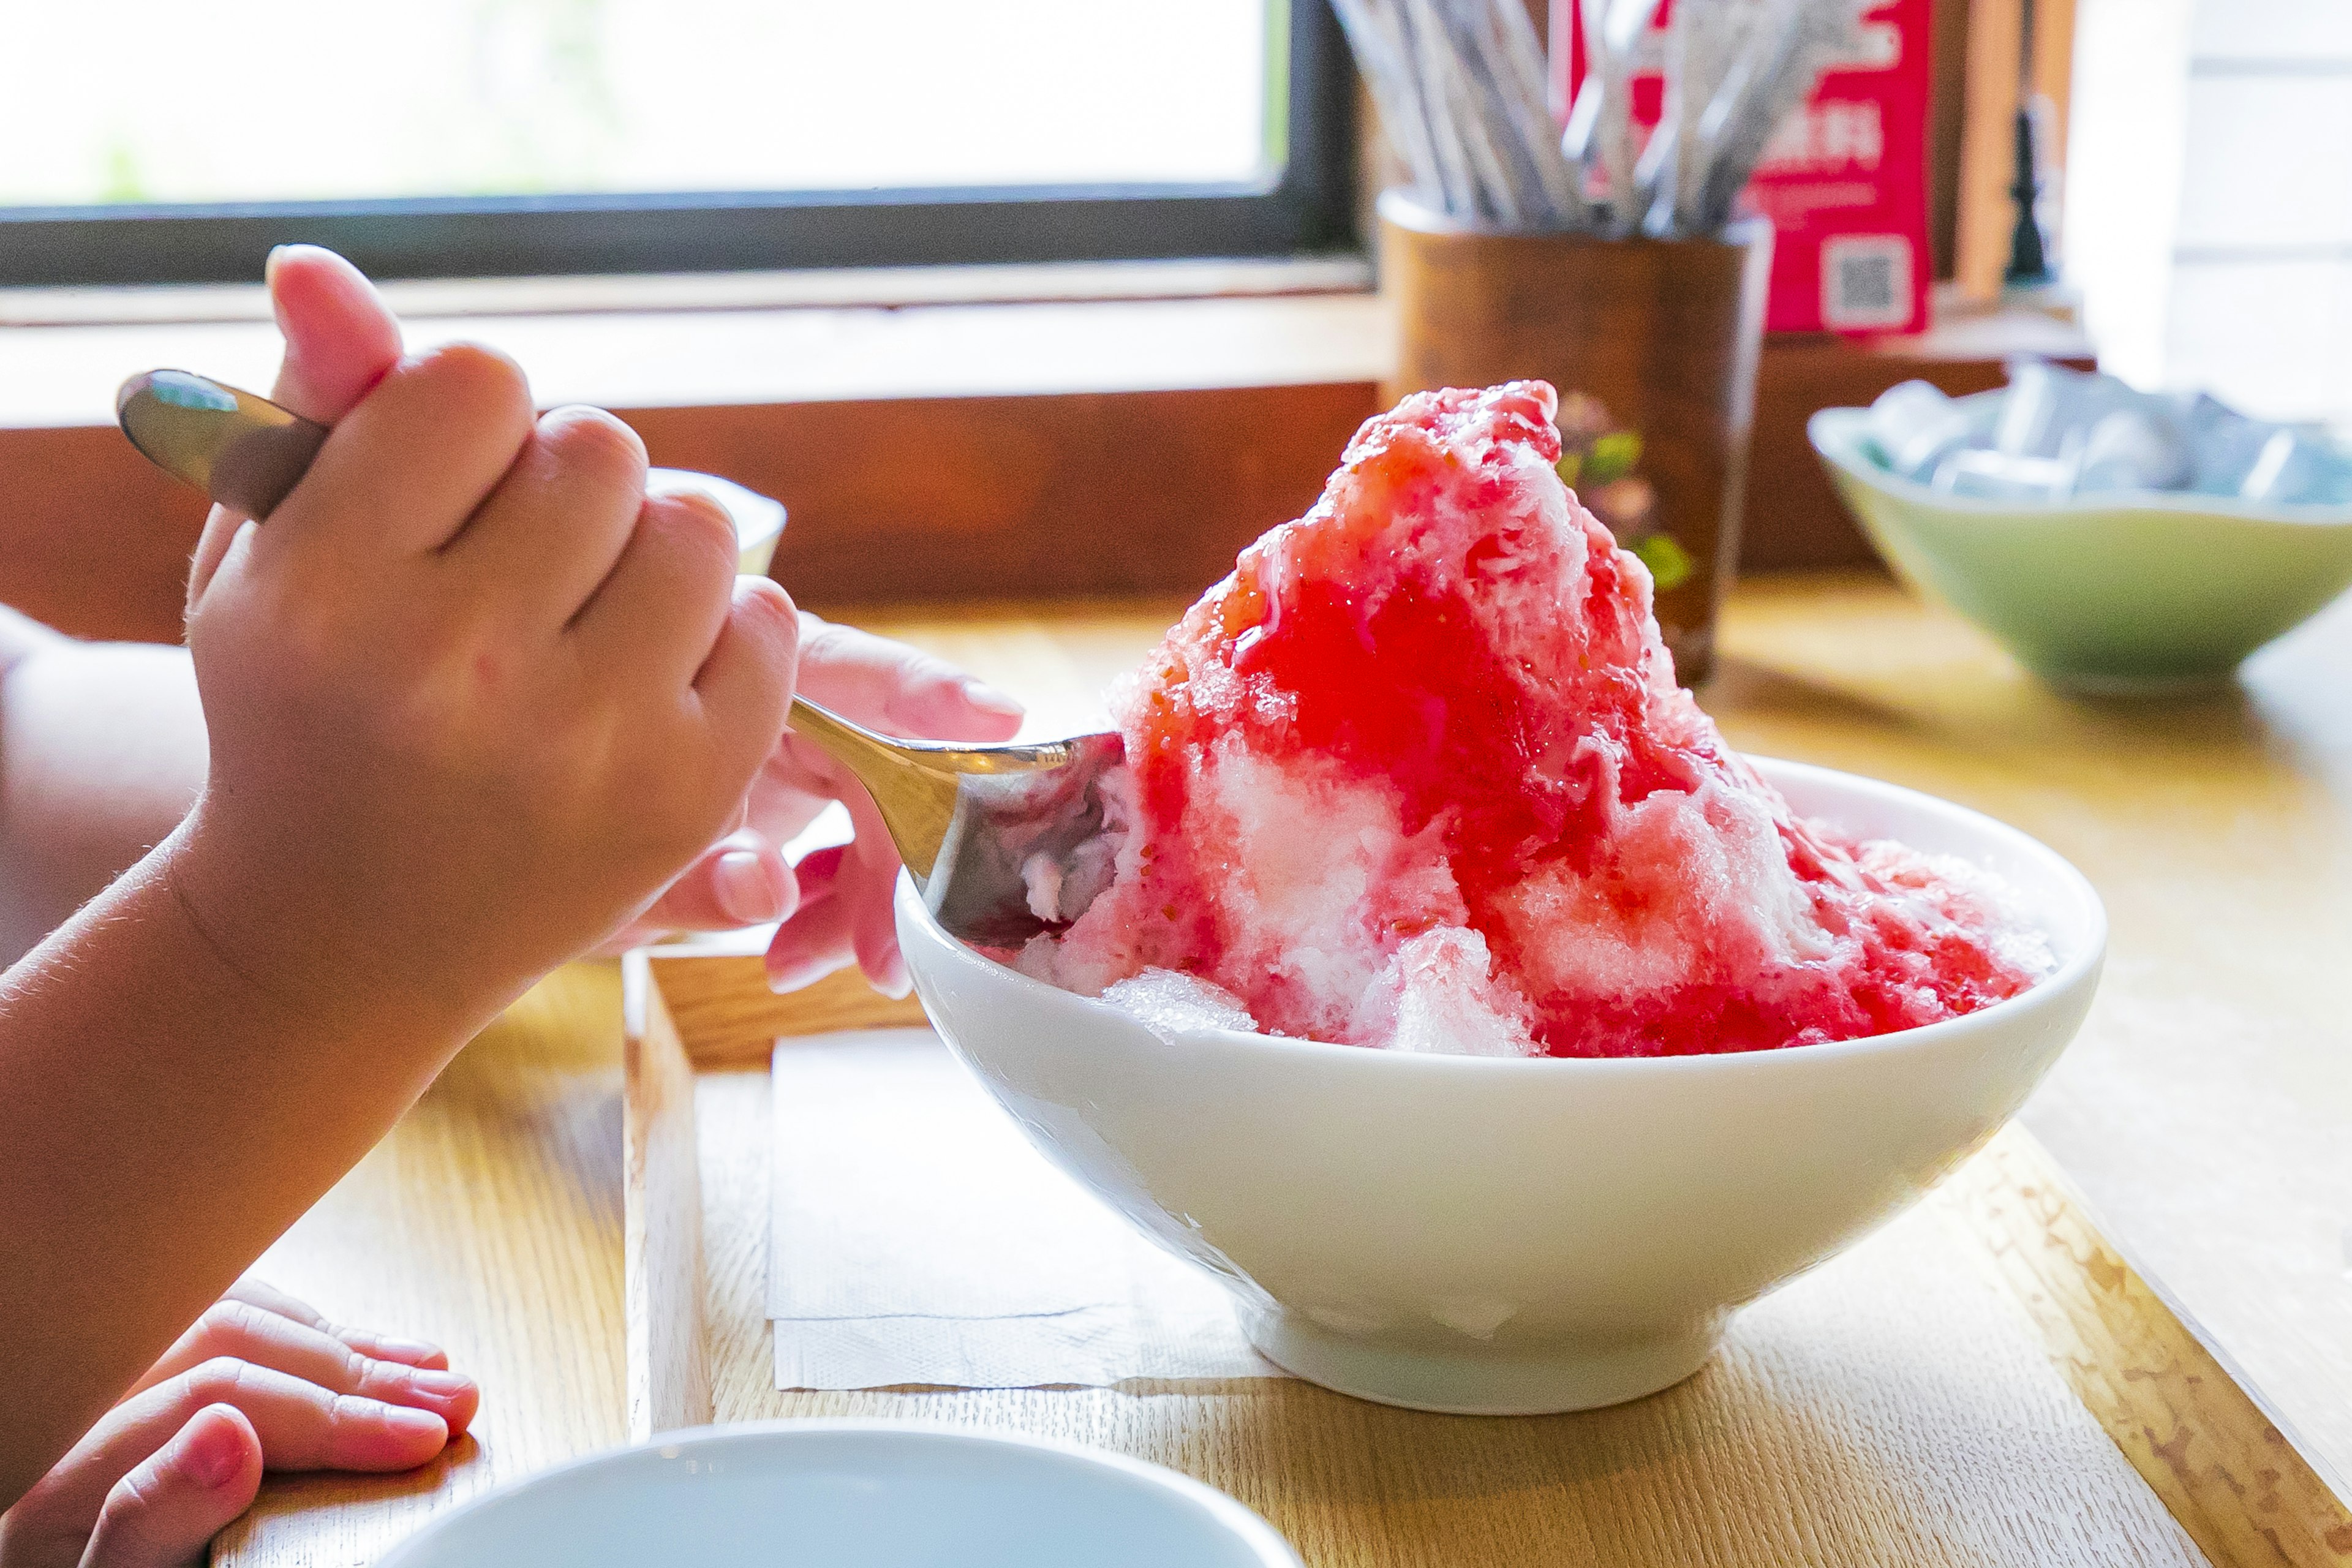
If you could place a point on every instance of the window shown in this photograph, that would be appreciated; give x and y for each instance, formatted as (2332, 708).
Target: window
(503, 137)
(2209, 199)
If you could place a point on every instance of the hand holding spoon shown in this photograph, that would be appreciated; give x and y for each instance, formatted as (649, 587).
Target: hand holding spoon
(976, 826)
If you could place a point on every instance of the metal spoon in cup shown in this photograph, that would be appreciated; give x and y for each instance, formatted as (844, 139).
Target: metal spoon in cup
(992, 835)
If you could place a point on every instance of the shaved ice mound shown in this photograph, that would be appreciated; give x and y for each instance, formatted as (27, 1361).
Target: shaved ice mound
(1417, 775)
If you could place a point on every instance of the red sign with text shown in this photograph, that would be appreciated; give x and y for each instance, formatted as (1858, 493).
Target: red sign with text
(1845, 180)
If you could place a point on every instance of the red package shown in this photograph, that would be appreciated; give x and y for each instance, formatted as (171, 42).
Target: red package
(1845, 180)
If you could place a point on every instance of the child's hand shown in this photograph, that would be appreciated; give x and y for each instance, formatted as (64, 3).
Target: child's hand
(837, 907)
(844, 905)
(260, 1381)
(340, 340)
(473, 699)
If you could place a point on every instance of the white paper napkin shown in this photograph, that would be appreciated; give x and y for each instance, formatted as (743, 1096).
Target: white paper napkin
(916, 1238)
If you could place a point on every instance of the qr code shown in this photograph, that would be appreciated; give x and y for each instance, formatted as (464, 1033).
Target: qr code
(1866, 281)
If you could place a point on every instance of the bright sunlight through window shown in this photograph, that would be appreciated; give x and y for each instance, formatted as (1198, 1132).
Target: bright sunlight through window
(292, 100)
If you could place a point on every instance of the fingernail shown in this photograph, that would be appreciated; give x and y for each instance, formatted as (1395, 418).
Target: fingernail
(415, 1352)
(439, 1385)
(794, 973)
(988, 700)
(214, 1455)
(746, 892)
(419, 1426)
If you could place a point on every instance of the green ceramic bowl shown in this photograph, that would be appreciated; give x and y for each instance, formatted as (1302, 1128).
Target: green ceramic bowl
(2136, 592)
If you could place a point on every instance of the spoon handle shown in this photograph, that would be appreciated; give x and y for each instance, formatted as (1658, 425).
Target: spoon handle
(244, 451)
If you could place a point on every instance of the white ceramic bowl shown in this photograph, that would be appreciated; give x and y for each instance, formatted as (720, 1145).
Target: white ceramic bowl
(1505, 1236)
(850, 1494)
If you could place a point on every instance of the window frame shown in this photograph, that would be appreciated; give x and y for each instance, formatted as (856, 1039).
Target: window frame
(1309, 207)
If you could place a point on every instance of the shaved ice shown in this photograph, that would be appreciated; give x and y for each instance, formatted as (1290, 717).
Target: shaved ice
(1417, 775)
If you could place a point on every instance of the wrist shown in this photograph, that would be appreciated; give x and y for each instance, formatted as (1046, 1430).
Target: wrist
(269, 918)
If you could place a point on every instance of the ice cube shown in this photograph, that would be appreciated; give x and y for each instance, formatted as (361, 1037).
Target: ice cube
(2223, 443)
(1167, 1000)
(2295, 466)
(2046, 402)
(2130, 449)
(1999, 476)
(1914, 425)
(2331, 480)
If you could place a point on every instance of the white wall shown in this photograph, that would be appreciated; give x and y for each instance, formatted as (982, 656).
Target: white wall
(2209, 219)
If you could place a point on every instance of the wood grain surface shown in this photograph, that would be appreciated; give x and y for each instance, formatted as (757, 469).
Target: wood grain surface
(490, 1223)
(2200, 1115)
(661, 1228)
(2031, 1371)
(2225, 1472)
(2203, 1110)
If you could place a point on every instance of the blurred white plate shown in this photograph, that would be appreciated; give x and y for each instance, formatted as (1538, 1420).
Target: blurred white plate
(850, 1494)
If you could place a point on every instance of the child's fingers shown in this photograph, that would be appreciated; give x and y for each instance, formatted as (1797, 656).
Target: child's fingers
(222, 527)
(866, 887)
(811, 946)
(300, 1425)
(303, 1426)
(261, 1293)
(814, 941)
(404, 471)
(657, 616)
(899, 690)
(340, 337)
(249, 1333)
(874, 936)
(845, 902)
(559, 519)
(172, 1504)
(742, 881)
(746, 683)
(818, 871)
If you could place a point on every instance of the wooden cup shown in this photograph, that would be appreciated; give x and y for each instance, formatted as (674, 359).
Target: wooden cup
(1664, 332)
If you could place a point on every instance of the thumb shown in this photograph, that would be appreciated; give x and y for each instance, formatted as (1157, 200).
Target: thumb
(162, 1513)
(340, 337)
(742, 881)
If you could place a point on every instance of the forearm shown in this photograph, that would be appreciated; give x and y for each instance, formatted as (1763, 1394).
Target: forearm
(102, 751)
(162, 1119)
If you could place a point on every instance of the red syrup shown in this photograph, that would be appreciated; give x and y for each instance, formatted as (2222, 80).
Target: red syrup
(1417, 774)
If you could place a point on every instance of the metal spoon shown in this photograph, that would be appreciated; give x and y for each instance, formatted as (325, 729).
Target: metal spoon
(978, 826)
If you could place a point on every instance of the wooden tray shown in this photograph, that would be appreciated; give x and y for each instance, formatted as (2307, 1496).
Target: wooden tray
(1984, 1381)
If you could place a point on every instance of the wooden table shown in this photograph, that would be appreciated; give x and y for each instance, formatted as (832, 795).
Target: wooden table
(2204, 1112)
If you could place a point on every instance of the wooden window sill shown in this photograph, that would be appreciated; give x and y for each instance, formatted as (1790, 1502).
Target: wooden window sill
(928, 450)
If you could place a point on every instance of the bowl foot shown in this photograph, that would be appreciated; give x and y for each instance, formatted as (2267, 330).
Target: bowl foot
(1478, 1382)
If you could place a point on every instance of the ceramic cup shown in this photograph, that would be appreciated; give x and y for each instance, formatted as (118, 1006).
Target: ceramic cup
(1666, 333)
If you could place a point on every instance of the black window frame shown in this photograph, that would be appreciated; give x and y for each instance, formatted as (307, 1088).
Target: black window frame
(1309, 207)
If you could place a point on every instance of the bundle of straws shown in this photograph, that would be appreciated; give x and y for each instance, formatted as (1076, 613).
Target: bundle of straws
(1460, 88)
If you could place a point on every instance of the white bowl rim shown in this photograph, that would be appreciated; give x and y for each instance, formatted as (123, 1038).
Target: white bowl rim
(1245, 1524)
(1834, 433)
(2078, 968)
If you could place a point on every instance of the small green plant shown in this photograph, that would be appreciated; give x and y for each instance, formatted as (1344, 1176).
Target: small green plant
(1597, 461)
